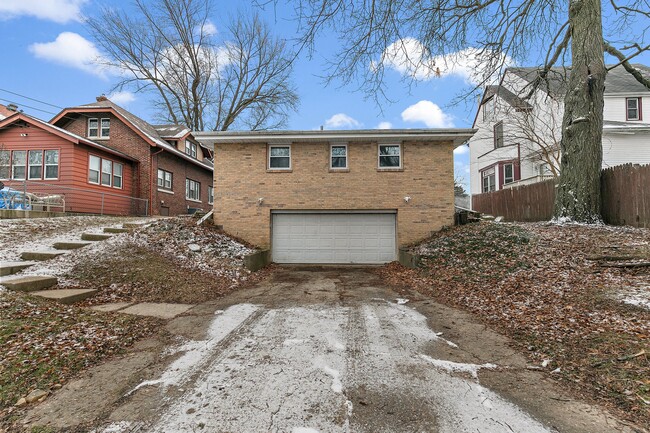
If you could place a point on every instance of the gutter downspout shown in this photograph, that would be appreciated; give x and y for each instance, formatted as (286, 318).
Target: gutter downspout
(151, 177)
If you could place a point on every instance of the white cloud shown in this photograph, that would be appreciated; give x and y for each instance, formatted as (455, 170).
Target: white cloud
(341, 120)
(73, 50)
(60, 11)
(461, 150)
(122, 98)
(428, 113)
(209, 29)
(384, 125)
(410, 57)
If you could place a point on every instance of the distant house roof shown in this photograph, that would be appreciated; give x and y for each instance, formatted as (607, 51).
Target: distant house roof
(618, 80)
(512, 99)
(5, 112)
(143, 128)
(67, 135)
(172, 131)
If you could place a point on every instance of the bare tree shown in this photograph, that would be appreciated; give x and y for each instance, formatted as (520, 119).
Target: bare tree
(169, 48)
(497, 32)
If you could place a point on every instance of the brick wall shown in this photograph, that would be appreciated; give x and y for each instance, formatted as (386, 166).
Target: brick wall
(181, 170)
(241, 178)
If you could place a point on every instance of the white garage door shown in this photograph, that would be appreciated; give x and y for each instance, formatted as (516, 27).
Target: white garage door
(333, 238)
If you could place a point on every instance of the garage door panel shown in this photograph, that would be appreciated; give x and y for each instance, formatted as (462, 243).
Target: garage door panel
(333, 238)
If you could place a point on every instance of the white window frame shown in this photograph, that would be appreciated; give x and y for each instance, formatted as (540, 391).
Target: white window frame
(164, 177)
(14, 165)
(109, 173)
(188, 183)
(98, 171)
(487, 174)
(30, 165)
(120, 176)
(7, 166)
(332, 146)
(101, 127)
(210, 195)
(379, 155)
(637, 109)
(191, 149)
(268, 162)
(96, 128)
(46, 165)
(505, 177)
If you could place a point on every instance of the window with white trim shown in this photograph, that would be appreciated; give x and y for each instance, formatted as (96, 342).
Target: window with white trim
(211, 195)
(51, 164)
(498, 135)
(106, 128)
(338, 156)
(18, 164)
(93, 127)
(35, 164)
(190, 148)
(508, 173)
(279, 157)
(633, 106)
(107, 170)
(489, 180)
(390, 156)
(94, 165)
(5, 164)
(192, 190)
(118, 169)
(165, 180)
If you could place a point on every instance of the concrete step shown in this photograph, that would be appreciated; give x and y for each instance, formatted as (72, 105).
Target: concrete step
(66, 296)
(28, 283)
(9, 268)
(133, 225)
(70, 245)
(40, 255)
(94, 237)
(115, 230)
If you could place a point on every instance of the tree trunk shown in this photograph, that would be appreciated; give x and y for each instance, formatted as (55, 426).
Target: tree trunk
(578, 193)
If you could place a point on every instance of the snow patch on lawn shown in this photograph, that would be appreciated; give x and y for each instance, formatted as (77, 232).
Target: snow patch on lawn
(457, 367)
(196, 353)
(638, 301)
(337, 386)
(304, 430)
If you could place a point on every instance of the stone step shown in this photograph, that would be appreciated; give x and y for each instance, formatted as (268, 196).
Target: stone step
(66, 296)
(115, 230)
(133, 225)
(94, 237)
(40, 255)
(29, 283)
(9, 268)
(70, 245)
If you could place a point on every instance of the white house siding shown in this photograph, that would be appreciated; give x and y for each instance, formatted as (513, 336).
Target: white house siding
(622, 148)
(615, 108)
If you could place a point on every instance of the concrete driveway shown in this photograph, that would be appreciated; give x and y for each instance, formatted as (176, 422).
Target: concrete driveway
(321, 350)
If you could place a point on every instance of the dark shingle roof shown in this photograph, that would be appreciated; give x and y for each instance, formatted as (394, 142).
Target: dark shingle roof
(512, 99)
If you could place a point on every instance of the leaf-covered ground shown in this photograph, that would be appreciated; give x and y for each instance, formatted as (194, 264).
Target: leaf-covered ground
(553, 289)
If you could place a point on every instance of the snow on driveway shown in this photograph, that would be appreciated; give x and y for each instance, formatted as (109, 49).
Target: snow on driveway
(312, 369)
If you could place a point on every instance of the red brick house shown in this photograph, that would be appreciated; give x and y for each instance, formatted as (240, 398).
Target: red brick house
(174, 171)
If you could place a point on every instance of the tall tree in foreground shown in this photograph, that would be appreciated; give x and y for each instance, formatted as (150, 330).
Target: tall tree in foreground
(424, 38)
(170, 49)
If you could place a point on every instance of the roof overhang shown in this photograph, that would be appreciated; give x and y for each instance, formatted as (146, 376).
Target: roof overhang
(456, 136)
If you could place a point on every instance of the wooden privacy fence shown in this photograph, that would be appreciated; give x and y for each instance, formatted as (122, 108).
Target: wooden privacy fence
(625, 198)
(626, 195)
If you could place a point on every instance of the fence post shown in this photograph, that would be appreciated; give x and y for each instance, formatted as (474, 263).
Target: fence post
(25, 193)
(146, 208)
(102, 211)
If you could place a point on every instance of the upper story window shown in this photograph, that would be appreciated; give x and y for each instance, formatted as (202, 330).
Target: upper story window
(390, 156)
(190, 149)
(339, 156)
(279, 157)
(508, 173)
(498, 135)
(165, 180)
(633, 108)
(488, 108)
(99, 128)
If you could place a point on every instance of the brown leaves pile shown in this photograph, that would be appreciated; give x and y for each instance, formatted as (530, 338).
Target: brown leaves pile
(540, 284)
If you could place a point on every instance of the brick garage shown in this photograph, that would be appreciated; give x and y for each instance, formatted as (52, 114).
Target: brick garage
(249, 196)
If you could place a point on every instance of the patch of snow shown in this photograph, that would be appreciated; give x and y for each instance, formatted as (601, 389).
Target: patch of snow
(293, 342)
(457, 367)
(196, 353)
(638, 300)
(401, 301)
(304, 430)
(116, 427)
(337, 386)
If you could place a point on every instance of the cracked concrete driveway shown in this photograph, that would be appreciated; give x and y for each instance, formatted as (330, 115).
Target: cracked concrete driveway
(321, 350)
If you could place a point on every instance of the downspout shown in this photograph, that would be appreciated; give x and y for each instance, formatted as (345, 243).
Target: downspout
(151, 177)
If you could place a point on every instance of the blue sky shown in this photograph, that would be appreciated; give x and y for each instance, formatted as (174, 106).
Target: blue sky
(47, 50)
